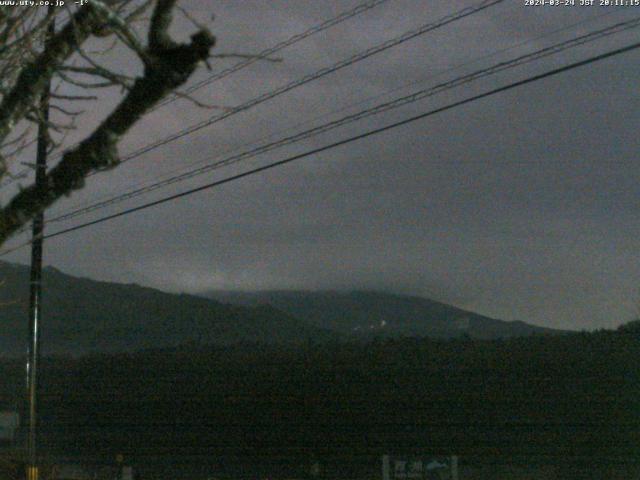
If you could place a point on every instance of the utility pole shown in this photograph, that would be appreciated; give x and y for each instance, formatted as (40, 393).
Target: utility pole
(35, 281)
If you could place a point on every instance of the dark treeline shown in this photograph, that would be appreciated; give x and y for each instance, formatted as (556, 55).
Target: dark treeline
(575, 395)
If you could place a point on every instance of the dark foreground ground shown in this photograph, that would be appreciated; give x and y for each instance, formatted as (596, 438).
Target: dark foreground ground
(194, 468)
(540, 407)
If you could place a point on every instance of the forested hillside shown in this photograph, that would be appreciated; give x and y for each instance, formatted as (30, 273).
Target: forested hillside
(83, 316)
(573, 396)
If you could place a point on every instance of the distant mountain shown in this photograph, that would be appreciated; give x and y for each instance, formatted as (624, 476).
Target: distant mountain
(81, 316)
(367, 314)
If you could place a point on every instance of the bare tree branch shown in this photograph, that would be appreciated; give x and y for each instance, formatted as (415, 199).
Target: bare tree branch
(168, 65)
(34, 77)
(159, 39)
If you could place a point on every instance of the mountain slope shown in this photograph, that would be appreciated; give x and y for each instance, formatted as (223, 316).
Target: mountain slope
(364, 313)
(81, 315)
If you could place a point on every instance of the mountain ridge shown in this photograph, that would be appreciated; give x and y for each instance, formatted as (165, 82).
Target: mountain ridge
(384, 313)
(83, 316)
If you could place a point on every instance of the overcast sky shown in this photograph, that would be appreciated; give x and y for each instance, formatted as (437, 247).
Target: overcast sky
(521, 206)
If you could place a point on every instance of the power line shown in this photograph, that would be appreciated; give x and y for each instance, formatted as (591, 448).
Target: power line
(363, 7)
(463, 13)
(407, 36)
(380, 108)
(140, 185)
(346, 15)
(348, 140)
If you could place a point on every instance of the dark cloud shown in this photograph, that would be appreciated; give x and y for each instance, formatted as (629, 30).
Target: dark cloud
(519, 206)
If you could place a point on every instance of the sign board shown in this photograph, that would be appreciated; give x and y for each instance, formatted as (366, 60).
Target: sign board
(127, 473)
(423, 467)
(9, 422)
(71, 472)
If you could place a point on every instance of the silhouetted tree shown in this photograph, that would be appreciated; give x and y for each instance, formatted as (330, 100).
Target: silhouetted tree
(28, 65)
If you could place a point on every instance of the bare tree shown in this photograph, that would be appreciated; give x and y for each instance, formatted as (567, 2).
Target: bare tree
(28, 65)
